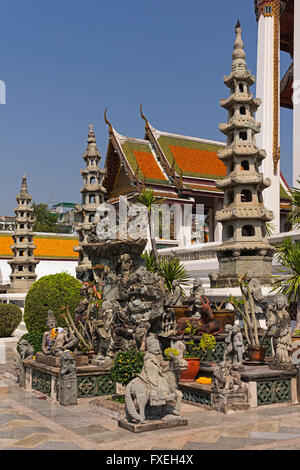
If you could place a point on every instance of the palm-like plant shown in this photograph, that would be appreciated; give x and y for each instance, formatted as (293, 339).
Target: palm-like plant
(294, 215)
(288, 254)
(148, 199)
(171, 270)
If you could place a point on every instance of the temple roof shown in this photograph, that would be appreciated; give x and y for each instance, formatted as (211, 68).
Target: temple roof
(165, 161)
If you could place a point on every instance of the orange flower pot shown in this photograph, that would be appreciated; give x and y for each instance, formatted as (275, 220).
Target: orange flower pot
(190, 374)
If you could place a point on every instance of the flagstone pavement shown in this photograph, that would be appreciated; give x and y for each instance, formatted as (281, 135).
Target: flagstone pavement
(29, 422)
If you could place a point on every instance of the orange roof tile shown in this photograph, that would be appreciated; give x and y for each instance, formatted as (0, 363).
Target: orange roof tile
(193, 160)
(148, 165)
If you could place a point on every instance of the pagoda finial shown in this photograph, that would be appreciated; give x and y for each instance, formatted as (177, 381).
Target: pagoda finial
(238, 55)
(24, 183)
(110, 128)
(91, 135)
(144, 117)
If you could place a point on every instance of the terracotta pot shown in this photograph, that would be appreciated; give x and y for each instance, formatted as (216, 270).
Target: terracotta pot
(225, 317)
(190, 374)
(180, 311)
(257, 355)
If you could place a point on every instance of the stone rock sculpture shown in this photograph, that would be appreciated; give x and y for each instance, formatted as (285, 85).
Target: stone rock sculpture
(48, 340)
(155, 384)
(278, 320)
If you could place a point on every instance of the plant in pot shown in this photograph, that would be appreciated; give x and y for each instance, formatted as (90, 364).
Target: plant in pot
(246, 308)
(206, 342)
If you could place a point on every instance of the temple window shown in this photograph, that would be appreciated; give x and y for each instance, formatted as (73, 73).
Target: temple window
(241, 88)
(92, 180)
(259, 197)
(20, 268)
(245, 165)
(243, 135)
(229, 231)
(91, 218)
(92, 199)
(248, 231)
(230, 197)
(246, 195)
(243, 110)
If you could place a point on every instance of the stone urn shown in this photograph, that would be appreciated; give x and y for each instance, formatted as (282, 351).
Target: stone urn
(192, 371)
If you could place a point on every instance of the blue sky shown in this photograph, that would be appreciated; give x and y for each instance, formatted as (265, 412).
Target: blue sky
(64, 61)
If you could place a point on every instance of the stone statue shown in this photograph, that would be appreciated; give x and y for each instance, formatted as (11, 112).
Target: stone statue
(26, 351)
(238, 345)
(176, 297)
(65, 340)
(228, 350)
(155, 384)
(234, 345)
(277, 317)
(103, 328)
(195, 304)
(67, 380)
(48, 340)
(226, 377)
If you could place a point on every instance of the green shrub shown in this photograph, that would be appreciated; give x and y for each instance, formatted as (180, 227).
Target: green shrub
(50, 293)
(34, 338)
(10, 317)
(127, 364)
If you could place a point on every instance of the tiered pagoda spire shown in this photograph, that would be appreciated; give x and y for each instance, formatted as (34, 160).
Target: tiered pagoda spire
(245, 246)
(23, 263)
(92, 196)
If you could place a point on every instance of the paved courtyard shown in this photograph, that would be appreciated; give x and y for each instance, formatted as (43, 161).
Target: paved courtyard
(30, 422)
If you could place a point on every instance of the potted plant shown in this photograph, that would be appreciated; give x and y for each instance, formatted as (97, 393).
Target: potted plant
(206, 342)
(255, 350)
(223, 314)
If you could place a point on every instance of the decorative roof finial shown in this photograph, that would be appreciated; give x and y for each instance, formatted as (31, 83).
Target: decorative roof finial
(91, 135)
(110, 128)
(144, 117)
(238, 54)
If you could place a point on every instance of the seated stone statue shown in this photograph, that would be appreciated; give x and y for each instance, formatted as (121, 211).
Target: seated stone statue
(48, 339)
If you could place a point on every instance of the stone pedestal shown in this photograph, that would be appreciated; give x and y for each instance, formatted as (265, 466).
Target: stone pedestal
(54, 361)
(153, 425)
(67, 390)
(230, 401)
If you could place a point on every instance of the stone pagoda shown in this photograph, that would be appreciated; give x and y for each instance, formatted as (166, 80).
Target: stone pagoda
(23, 263)
(92, 196)
(245, 246)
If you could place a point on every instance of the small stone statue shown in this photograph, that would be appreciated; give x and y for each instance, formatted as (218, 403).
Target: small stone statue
(277, 317)
(238, 345)
(234, 345)
(155, 384)
(226, 377)
(48, 340)
(67, 380)
(26, 351)
(176, 296)
(256, 294)
(64, 341)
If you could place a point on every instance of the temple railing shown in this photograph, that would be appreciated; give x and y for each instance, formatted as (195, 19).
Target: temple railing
(207, 251)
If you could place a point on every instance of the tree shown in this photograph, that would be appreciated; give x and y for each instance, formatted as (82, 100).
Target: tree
(148, 199)
(45, 221)
(288, 254)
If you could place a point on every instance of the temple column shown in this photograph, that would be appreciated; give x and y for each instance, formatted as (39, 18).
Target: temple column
(267, 89)
(296, 101)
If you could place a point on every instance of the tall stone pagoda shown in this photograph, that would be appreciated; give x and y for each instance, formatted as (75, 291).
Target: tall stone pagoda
(23, 263)
(245, 246)
(92, 196)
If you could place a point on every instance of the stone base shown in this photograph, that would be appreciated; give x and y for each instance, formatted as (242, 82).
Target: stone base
(230, 401)
(110, 408)
(166, 423)
(54, 361)
(284, 366)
